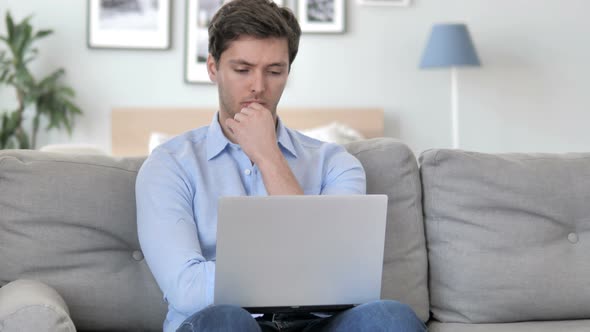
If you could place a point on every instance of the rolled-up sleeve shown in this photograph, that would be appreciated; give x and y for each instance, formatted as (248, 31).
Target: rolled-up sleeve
(343, 173)
(168, 234)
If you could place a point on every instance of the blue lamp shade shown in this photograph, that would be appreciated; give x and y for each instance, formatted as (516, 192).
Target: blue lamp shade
(449, 45)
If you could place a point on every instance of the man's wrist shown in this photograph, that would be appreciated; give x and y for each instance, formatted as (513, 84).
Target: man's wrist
(270, 160)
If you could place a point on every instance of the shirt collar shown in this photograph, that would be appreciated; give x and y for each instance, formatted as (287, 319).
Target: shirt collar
(285, 140)
(216, 140)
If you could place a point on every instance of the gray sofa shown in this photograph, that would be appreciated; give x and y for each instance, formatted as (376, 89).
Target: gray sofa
(475, 242)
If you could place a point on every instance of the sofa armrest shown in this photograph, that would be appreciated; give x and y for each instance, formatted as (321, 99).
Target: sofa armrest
(27, 305)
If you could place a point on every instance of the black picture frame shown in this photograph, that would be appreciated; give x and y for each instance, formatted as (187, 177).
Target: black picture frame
(129, 24)
(322, 16)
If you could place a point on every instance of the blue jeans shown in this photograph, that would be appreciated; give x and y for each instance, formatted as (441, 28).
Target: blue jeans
(375, 316)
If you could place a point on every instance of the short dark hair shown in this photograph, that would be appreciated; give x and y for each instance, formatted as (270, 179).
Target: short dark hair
(256, 18)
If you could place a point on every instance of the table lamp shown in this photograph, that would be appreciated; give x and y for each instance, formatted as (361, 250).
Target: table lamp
(450, 46)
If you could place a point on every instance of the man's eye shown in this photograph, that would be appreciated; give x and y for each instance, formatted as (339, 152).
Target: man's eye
(276, 73)
(241, 71)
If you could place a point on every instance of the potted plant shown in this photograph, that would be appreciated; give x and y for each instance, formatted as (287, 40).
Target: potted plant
(50, 99)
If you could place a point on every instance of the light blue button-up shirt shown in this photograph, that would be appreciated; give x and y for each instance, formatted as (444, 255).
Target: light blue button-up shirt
(177, 190)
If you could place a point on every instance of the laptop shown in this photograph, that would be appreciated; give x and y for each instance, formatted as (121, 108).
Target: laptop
(299, 253)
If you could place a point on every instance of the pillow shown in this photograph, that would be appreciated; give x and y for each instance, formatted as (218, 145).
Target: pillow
(334, 132)
(391, 169)
(70, 222)
(28, 305)
(507, 236)
(157, 138)
(74, 148)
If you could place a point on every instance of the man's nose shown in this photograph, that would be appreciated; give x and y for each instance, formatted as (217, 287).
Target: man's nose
(258, 83)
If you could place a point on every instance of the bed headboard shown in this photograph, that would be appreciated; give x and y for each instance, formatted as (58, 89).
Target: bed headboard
(131, 127)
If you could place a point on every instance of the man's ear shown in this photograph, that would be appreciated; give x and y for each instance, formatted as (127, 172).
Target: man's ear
(212, 68)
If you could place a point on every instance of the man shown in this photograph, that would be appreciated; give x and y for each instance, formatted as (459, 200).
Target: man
(245, 151)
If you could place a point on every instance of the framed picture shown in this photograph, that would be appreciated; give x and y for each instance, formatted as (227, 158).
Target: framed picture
(199, 15)
(141, 24)
(398, 3)
(321, 16)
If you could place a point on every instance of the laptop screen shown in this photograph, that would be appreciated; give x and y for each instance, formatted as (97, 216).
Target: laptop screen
(299, 253)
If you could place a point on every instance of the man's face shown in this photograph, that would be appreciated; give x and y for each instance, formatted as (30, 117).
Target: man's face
(250, 70)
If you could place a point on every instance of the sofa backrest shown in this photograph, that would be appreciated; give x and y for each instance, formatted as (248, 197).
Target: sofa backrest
(69, 221)
(391, 169)
(507, 235)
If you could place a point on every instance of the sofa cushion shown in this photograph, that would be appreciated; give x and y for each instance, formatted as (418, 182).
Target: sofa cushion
(569, 326)
(69, 221)
(391, 169)
(507, 235)
(28, 305)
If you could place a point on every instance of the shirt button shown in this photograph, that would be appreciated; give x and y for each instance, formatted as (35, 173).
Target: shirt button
(572, 237)
(247, 172)
(137, 255)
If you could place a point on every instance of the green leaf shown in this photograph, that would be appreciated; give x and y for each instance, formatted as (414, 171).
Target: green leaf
(3, 140)
(31, 56)
(3, 75)
(66, 91)
(23, 80)
(15, 44)
(14, 120)
(50, 79)
(16, 41)
(67, 123)
(5, 120)
(73, 108)
(36, 121)
(4, 67)
(53, 120)
(30, 99)
(51, 99)
(25, 42)
(9, 26)
(23, 139)
(42, 33)
(10, 123)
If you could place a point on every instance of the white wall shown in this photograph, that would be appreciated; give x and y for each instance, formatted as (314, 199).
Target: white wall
(529, 96)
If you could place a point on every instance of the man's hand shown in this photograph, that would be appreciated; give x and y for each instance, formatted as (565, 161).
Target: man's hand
(254, 130)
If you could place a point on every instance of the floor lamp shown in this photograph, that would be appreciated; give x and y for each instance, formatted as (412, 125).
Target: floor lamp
(450, 46)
